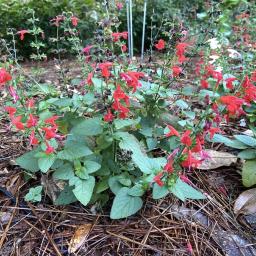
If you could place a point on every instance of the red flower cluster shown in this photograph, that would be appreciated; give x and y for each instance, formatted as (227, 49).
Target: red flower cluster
(22, 34)
(180, 51)
(74, 21)
(119, 95)
(233, 104)
(105, 69)
(4, 76)
(132, 79)
(176, 71)
(160, 45)
(116, 36)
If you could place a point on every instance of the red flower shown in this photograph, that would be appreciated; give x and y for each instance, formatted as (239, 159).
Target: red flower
(32, 121)
(120, 95)
(185, 138)
(124, 48)
(213, 130)
(176, 70)
(119, 6)
(172, 132)
(109, 117)
(32, 139)
(74, 21)
(132, 79)
(169, 166)
(51, 121)
(116, 36)
(158, 180)
(190, 161)
(22, 33)
(17, 123)
(49, 149)
(180, 51)
(253, 76)
(229, 82)
(198, 147)
(104, 69)
(89, 79)
(4, 76)
(30, 103)
(87, 49)
(233, 104)
(50, 132)
(204, 84)
(11, 110)
(13, 93)
(185, 179)
(57, 20)
(160, 45)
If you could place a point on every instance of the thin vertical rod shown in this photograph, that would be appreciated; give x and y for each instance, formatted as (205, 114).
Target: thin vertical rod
(143, 30)
(131, 29)
(128, 27)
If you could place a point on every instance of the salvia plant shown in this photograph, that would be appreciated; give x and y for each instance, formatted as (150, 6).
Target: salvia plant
(126, 128)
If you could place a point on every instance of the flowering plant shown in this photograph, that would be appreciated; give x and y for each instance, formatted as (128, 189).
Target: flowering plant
(126, 128)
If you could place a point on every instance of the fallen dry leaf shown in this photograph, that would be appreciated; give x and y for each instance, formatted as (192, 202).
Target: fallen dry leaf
(246, 202)
(79, 237)
(216, 159)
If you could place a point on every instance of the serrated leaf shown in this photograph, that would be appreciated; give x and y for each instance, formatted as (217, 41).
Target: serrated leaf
(249, 173)
(83, 190)
(159, 192)
(184, 191)
(28, 161)
(125, 205)
(88, 127)
(45, 163)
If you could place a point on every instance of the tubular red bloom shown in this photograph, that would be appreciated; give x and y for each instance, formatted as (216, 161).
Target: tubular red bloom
(32, 121)
(229, 82)
(253, 76)
(13, 93)
(172, 132)
(157, 179)
(116, 36)
(74, 21)
(4, 76)
(17, 123)
(185, 179)
(109, 117)
(160, 44)
(204, 84)
(51, 121)
(49, 149)
(233, 104)
(198, 147)
(185, 138)
(169, 166)
(22, 33)
(124, 48)
(190, 161)
(214, 130)
(176, 71)
(50, 132)
(30, 103)
(87, 49)
(32, 139)
(132, 79)
(104, 69)
(180, 51)
(11, 110)
(120, 95)
(89, 79)
(119, 6)
(57, 20)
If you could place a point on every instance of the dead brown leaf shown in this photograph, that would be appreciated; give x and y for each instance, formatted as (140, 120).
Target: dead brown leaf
(246, 202)
(79, 237)
(216, 159)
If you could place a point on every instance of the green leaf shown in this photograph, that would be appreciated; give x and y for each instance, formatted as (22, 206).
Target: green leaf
(182, 104)
(136, 190)
(247, 154)
(124, 179)
(46, 162)
(91, 166)
(74, 151)
(63, 102)
(66, 196)
(159, 192)
(228, 142)
(88, 127)
(34, 194)
(184, 191)
(122, 123)
(114, 184)
(102, 185)
(83, 190)
(28, 161)
(64, 172)
(249, 173)
(250, 141)
(125, 205)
